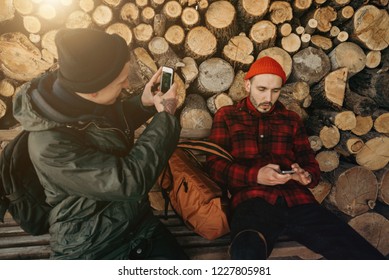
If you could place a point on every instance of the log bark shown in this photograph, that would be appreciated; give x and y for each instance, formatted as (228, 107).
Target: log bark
(348, 144)
(373, 84)
(344, 120)
(360, 105)
(383, 184)
(190, 71)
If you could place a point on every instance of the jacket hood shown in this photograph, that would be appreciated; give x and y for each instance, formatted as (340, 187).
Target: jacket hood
(36, 114)
(25, 113)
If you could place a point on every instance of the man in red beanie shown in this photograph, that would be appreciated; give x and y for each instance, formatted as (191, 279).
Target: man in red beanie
(81, 143)
(272, 170)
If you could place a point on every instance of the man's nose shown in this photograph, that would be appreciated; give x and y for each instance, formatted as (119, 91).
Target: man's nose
(267, 96)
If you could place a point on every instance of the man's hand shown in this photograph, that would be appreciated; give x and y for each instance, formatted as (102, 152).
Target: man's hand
(150, 89)
(300, 175)
(270, 175)
(166, 102)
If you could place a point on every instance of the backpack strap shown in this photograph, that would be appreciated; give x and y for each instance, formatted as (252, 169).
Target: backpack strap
(205, 146)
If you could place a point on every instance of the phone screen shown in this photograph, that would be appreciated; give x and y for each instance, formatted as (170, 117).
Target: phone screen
(166, 81)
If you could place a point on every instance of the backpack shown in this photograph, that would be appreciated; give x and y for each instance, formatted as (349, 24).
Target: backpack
(21, 192)
(196, 198)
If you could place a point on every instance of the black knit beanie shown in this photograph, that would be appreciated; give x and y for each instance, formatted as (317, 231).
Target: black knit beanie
(89, 59)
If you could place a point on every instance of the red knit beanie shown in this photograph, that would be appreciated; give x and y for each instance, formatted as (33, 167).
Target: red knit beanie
(266, 65)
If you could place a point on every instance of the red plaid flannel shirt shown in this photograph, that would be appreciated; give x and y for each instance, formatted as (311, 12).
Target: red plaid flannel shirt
(255, 140)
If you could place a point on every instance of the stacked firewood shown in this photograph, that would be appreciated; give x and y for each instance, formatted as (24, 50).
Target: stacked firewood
(334, 52)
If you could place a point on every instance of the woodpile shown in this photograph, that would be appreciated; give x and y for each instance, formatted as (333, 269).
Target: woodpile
(335, 54)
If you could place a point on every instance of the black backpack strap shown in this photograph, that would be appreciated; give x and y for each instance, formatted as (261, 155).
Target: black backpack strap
(205, 146)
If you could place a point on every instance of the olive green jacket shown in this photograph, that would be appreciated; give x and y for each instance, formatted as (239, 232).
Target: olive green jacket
(97, 179)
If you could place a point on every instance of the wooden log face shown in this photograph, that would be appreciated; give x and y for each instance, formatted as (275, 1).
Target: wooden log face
(371, 27)
(356, 191)
(215, 75)
(374, 228)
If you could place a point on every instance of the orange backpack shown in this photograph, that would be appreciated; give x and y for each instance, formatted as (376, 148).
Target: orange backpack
(198, 200)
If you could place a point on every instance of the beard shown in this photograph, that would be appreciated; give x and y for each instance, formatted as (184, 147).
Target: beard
(262, 107)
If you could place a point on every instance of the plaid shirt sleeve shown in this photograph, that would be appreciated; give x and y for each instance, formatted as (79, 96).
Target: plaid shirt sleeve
(305, 155)
(221, 170)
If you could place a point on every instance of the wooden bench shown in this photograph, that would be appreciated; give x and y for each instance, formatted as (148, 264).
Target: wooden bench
(16, 244)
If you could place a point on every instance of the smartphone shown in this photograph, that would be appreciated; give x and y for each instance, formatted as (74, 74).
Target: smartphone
(288, 171)
(166, 78)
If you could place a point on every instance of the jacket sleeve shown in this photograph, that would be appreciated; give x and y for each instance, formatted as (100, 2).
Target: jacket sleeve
(231, 174)
(136, 112)
(73, 169)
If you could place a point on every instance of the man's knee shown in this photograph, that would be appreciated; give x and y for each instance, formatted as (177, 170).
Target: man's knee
(248, 245)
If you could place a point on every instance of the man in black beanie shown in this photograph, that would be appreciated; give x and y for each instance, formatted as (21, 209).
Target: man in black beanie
(82, 146)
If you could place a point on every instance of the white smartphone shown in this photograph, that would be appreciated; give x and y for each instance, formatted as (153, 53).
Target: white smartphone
(166, 78)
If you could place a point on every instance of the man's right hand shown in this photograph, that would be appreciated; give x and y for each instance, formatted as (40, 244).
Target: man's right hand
(270, 175)
(166, 102)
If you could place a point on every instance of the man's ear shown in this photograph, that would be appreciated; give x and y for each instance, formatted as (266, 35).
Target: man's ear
(247, 85)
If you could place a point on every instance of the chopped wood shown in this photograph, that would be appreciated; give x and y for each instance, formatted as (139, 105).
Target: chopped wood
(215, 75)
(370, 27)
(102, 15)
(291, 43)
(190, 17)
(280, 12)
(122, 30)
(147, 15)
(238, 52)
(348, 55)
(19, 58)
(236, 90)
(315, 142)
(285, 29)
(195, 114)
(130, 13)
(322, 42)
(328, 160)
(162, 53)
(190, 71)
(383, 184)
(330, 136)
(78, 19)
(263, 34)
(220, 19)
(330, 92)
(360, 105)
(86, 5)
(200, 43)
(354, 189)
(310, 65)
(159, 25)
(381, 123)
(373, 59)
(363, 126)
(175, 36)
(6, 88)
(321, 191)
(172, 10)
(375, 153)
(215, 102)
(374, 228)
(23, 7)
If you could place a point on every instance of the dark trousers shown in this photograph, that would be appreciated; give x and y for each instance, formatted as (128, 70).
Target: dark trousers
(161, 246)
(256, 226)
